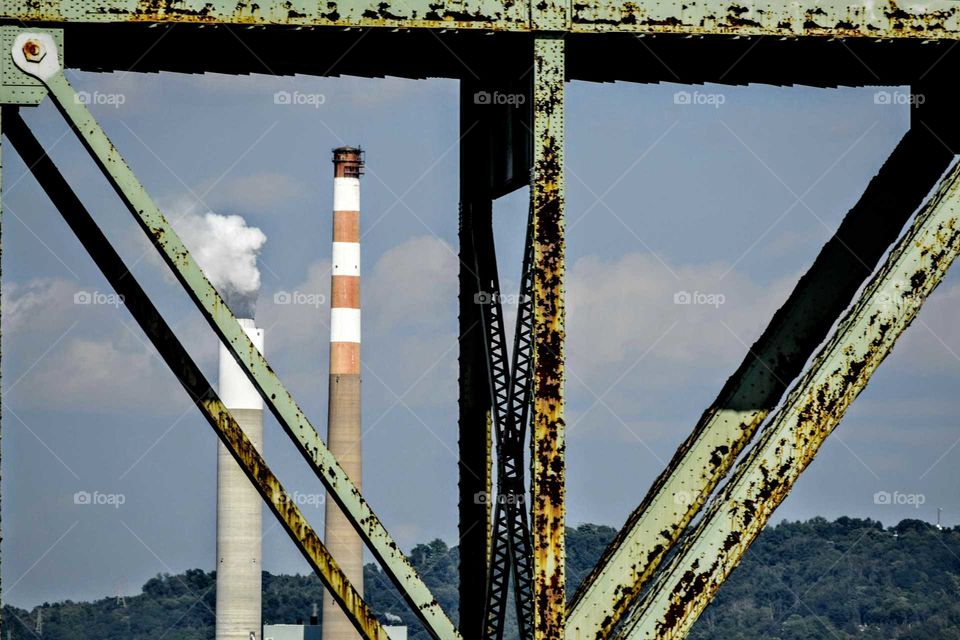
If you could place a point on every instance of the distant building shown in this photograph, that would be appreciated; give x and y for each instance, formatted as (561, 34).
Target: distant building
(291, 632)
(312, 631)
(396, 632)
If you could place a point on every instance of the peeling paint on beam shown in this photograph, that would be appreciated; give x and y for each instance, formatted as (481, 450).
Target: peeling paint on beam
(881, 19)
(832, 18)
(426, 14)
(840, 371)
(547, 440)
(192, 379)
(753, 391)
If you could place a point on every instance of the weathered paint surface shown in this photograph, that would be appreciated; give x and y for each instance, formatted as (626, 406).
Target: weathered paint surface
(840, 371)
(276, 396)
(548, 465)
(753, 391)
(191, 377)
(923, 19)
(877, 19)
(435, 14)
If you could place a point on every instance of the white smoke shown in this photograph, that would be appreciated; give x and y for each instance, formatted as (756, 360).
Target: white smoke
(226, 249)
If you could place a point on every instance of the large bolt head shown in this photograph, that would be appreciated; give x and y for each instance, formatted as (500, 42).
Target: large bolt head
(34, 51)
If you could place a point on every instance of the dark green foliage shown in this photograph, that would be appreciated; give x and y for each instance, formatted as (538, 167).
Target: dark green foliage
(814, 580)
(820, 580)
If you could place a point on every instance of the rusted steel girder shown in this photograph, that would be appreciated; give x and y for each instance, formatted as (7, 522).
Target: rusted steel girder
(47, 67)
(548, 465)
(136, 301)
(840, 371)
(923, 19)
(756, 387)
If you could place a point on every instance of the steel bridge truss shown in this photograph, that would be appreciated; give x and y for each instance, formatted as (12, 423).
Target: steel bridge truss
(511, 534)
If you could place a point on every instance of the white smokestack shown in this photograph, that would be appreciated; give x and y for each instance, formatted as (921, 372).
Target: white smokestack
(227, 249)
(239, 526)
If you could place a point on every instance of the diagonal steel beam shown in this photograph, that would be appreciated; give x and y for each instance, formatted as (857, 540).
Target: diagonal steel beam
(753, 391)
(222, 321)
(191, 377)
(548, 474)
(840, 371)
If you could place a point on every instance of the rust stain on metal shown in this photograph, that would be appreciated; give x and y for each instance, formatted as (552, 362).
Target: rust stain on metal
(285, 508)
(548, 478)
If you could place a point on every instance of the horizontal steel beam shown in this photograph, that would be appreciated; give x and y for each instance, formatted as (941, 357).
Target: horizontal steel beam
(756, 387)
(291, 418)
(839, 372)
(888, 19)
(138, 303)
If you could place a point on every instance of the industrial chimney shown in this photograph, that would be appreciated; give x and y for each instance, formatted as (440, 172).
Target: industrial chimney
(343, 417)
(238, 507)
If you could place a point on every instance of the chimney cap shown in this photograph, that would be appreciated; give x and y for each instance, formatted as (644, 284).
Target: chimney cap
(348, 161)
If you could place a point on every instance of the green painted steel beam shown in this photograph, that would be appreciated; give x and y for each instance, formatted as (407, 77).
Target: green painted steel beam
(839, 372)
(292, 419)
(758, 384)
(432, 14)
(547, 482)
(923, 19)
(138, 303)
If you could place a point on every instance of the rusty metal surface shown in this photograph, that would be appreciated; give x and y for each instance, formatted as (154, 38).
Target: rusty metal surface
(248, 357)
(745, 401)
(191, 378)
(830, 18)
(434, 14)
(840, 371)
(924, 19)
(547, 441)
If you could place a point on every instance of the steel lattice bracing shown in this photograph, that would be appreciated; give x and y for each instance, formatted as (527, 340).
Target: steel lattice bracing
(510, 387)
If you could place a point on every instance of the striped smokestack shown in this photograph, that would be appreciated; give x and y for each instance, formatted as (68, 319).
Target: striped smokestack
(239, 507)
(343, 418)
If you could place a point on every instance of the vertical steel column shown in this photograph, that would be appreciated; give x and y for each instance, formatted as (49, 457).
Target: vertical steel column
(475, 445)
(1, 333)
(547, 477)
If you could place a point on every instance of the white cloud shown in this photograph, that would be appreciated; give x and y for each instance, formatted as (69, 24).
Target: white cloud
(635, 307)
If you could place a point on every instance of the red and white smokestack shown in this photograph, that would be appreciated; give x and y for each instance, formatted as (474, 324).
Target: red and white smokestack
(239, 512)
(343, 417)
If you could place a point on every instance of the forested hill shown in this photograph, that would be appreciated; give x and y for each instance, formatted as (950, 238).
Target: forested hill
(801, 581)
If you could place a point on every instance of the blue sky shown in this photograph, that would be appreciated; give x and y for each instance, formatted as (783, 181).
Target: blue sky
(732, 199)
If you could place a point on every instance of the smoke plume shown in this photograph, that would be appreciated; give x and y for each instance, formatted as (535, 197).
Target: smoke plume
(226, 249)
